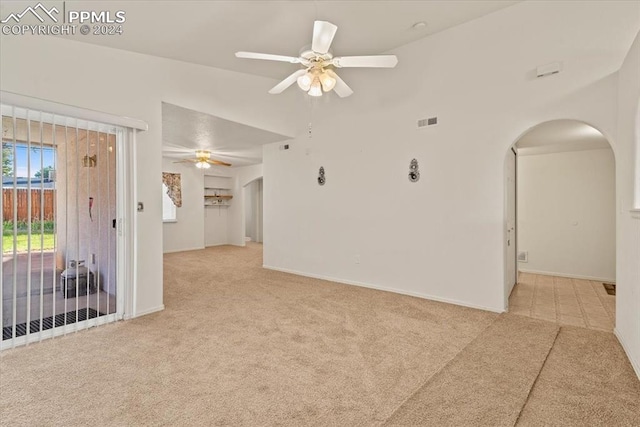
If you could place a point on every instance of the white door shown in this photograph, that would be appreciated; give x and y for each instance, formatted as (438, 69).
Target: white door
(510, 233)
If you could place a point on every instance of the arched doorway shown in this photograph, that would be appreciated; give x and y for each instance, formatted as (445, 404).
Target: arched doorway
(560, 226)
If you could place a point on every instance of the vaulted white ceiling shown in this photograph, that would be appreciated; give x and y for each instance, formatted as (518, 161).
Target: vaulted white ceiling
(210, 32)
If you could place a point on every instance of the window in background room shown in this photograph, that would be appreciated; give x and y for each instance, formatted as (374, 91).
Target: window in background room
(168, 208)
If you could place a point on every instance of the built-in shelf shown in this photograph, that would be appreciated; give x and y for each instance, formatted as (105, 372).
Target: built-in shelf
(218, 196)
(219, 200)
(217, 192)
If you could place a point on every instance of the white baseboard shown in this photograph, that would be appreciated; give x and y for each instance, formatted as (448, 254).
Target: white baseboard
(570, 276)
(199, 248)
(216, 244)
(634, 363)
(149, 311)
(382, 288)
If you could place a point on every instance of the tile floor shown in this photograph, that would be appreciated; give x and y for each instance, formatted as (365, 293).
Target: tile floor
(563, 300)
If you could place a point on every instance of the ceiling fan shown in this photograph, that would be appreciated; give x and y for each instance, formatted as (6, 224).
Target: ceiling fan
(203, 160)
(317, 74)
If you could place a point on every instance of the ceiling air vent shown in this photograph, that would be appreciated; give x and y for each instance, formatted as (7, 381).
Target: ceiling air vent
(427, 122)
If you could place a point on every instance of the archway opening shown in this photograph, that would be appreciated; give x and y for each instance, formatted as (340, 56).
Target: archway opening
(560, 238)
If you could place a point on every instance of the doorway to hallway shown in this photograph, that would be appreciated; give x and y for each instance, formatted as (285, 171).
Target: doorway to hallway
(565, 225)
(253, 196)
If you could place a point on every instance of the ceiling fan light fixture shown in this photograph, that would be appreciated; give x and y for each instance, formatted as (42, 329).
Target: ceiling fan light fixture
(304, 81)
(316, 88)
(327, 81)
(203, 165)
(203, 154)
(314, 78)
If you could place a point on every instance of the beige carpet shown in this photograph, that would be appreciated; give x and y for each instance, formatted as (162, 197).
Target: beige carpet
(239, 345)
(488, 383)
(586, 381)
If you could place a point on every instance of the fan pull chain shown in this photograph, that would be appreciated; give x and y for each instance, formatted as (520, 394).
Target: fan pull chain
(310, 126)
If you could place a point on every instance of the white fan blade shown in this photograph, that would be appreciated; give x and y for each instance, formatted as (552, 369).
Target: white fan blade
(268, 57)
(377, 61)
(286, 82)
(323, 33)
(341, 87)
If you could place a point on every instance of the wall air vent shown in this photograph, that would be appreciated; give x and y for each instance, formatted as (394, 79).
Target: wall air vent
(523, 256)
(427, 122)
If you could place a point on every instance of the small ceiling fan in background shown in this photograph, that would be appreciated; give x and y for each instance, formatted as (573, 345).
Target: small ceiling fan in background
(203, 160)
(317, 74)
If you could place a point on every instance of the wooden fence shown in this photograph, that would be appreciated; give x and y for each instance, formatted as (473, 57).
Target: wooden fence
(22, 203)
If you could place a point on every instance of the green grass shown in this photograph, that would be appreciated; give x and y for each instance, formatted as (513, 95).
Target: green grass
(23, 239)
(23, 226)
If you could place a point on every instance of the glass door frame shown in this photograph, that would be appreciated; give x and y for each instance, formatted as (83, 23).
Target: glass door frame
(126, 244)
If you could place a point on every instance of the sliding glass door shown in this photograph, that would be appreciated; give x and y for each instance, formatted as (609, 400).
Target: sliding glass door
(59, 211)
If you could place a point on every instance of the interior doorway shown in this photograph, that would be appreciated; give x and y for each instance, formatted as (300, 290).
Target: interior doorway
(564, 202)
(511, 272)
(253, 198)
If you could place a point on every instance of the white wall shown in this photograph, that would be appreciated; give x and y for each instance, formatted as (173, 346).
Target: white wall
(186, 233)
(134, 85)
(414, 238)
(628, 227)
(566, 213)
(216, 224)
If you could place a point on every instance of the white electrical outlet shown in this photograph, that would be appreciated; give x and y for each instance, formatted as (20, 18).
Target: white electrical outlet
(357, 259)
